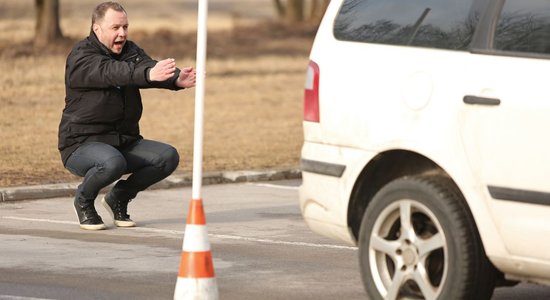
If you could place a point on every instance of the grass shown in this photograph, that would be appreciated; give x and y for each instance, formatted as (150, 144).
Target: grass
(253, 103)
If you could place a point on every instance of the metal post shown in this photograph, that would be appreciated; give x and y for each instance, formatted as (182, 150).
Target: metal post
(199, 98)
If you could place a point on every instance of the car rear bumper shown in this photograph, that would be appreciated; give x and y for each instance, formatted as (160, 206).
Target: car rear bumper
(328, 176)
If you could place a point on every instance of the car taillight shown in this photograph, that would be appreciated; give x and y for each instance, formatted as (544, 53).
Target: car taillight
(311, 93)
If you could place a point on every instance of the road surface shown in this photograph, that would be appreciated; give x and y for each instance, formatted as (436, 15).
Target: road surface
(261, 247)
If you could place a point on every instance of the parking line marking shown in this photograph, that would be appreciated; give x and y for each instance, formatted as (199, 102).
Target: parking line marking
(41, 220)
(10, 297)
(180, 233)
(275, 186)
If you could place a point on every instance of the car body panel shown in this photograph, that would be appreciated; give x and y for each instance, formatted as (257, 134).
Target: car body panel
(377, 98)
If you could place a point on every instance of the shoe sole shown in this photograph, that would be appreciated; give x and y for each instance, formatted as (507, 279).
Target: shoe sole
(90, 226)
(117, 222)
(93, 227)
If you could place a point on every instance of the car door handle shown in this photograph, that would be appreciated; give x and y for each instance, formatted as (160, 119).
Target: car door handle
(469, 99)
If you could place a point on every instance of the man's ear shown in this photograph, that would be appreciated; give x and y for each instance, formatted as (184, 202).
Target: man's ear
(95, 28)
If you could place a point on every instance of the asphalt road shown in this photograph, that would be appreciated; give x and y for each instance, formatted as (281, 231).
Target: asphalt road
(261, 247)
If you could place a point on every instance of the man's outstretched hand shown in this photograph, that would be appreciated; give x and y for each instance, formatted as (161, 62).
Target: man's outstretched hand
(187, 78)
(163, 70)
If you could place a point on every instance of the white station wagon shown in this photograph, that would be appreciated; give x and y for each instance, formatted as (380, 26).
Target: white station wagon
(427, 145)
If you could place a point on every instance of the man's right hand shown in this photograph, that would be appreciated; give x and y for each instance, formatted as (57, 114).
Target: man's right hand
(163, 70)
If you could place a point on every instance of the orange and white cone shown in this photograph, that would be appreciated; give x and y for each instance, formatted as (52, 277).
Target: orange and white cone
(196, 279)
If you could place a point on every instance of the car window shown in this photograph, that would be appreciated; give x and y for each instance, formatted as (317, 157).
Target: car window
(447, 24)
(524, 26)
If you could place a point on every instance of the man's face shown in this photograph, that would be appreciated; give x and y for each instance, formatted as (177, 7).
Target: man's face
(112, 30)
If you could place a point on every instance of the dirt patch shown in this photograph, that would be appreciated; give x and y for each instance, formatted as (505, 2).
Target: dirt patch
(253, 106)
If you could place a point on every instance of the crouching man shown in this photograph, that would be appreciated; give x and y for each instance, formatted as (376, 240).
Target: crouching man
(99, 137)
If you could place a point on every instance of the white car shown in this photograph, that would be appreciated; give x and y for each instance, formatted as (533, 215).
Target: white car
(427, 145)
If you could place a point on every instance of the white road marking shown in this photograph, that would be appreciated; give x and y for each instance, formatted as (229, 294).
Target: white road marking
(41, 220)
(10, 297)
(276, 242)
(180, 233)
(275, 186)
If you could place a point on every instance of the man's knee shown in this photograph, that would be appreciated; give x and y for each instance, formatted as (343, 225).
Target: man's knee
(171, 159)
(167, 161)
(114, 167)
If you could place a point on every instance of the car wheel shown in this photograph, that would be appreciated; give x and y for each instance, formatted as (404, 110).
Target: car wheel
(418, 240)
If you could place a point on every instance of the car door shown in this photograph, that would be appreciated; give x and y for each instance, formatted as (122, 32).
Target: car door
(505, 122)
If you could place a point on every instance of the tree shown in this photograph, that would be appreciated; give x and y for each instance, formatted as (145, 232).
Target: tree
(318, 8)
(296, 11)
(47, 30)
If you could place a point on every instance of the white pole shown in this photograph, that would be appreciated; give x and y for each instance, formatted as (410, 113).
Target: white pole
(196, 278)
(199, 98)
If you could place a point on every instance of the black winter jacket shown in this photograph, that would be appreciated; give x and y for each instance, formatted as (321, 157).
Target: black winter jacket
(103, 102)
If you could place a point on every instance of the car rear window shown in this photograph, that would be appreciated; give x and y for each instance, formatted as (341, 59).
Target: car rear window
(524, 26)
(446, 24)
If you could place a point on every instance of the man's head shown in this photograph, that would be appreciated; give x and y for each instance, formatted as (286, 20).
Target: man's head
(110, 25)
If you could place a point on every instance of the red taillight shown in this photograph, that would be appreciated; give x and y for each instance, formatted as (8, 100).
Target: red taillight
(311, 93)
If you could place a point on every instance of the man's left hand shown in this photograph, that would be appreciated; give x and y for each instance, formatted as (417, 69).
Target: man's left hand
(187, 78)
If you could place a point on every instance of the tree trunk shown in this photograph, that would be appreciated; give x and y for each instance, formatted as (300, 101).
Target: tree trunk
(294, 11)
(47, 30)
(318, 8)
(280, 7)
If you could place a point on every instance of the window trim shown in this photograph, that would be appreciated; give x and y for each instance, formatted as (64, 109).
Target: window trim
(517, 54)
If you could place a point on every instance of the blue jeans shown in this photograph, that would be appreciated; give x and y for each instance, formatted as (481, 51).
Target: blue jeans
(102, 164)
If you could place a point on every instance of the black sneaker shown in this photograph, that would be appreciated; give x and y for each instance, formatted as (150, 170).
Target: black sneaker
(118, 210)
(87, 216)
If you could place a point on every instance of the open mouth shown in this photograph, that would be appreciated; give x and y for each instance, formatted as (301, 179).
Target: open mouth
(119, 43)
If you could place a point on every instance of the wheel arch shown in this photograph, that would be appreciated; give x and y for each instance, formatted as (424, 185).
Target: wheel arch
(383, 168)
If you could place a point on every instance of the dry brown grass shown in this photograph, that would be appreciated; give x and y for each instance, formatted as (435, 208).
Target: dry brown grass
(253, 106)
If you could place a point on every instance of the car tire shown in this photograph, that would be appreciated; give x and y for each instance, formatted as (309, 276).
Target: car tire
(418, 240)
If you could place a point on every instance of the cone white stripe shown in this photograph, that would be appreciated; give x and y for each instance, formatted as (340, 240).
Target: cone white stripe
(195, 238)
(196, 289)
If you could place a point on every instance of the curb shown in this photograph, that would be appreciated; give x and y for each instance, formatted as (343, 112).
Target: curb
(172, 181)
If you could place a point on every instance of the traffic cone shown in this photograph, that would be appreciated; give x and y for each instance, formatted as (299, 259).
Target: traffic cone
(196, 279)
